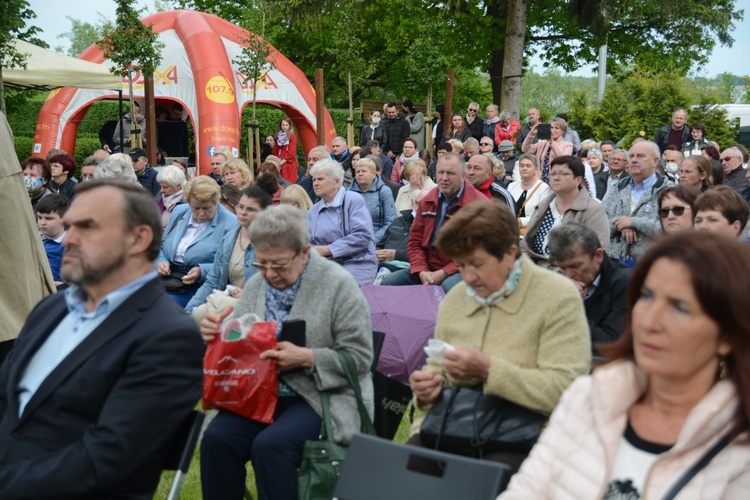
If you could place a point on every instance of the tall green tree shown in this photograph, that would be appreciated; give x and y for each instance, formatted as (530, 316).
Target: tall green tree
(481, 34)
(13, 17)
(81, 35)
(131, 46)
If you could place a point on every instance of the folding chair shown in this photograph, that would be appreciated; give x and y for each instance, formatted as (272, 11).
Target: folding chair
(376, 468)
(179, 456)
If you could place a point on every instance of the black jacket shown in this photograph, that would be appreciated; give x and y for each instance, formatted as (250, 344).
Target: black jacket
(662, 136)
(397, 235)
(605, 309)
(101, 423)
(379, 134)
(397, 130)
(476, 128)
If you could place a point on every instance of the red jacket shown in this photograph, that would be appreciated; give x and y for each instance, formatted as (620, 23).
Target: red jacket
(288, 153)
(501, 134)
(422, 256)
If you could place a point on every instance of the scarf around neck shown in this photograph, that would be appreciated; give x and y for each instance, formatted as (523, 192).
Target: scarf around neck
(490, 121)
(282, 139)
(508, 287)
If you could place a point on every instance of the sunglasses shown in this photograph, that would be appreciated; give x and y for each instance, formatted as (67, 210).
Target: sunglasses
(678, 211)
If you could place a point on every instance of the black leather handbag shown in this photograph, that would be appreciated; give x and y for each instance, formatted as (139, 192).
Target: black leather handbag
(173, 283)
(467, 422)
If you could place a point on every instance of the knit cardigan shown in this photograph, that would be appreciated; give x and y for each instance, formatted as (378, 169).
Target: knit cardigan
(537, 338)
(575, 455)
(337, 317)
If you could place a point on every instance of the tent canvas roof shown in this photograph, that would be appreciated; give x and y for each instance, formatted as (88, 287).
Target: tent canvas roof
(47, 70)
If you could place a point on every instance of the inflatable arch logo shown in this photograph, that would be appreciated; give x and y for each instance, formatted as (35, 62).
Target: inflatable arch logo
(196, 71)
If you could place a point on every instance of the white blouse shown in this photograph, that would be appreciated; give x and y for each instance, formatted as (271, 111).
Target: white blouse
(541, 193)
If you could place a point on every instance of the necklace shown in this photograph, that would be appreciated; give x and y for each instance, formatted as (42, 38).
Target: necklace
(243, 247)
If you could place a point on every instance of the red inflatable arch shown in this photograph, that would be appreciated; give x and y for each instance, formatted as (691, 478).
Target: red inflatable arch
(196, 71)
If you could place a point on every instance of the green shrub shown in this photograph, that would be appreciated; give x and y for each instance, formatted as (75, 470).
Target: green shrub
(23, 147)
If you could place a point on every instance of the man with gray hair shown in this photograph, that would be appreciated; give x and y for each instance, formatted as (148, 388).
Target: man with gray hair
(632, 205)
(734, 175)
(618, 160)
(340, 153)
(88, 167)
(428, 266)
(479, 174)
(675, 133)
(602, 282)
(532, 117)
(471, 147)
(305, 180)
(473, 121)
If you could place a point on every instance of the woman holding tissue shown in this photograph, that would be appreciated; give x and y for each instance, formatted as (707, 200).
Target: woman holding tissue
(288, 287)
(517, 331)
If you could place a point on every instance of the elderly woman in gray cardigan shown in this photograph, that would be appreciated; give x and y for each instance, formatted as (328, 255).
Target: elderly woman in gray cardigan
(294, 283)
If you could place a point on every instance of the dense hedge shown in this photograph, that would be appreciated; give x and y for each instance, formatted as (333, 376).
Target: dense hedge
(23, 118)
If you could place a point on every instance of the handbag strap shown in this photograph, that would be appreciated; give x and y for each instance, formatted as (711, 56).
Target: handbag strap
(700, 464)
(326, 427)
(350, 369)
(538, 185)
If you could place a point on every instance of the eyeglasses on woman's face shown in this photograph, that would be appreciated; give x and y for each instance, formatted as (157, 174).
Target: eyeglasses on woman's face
(272, 266)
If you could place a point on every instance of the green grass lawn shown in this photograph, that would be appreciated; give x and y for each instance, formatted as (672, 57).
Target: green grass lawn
(191, 488)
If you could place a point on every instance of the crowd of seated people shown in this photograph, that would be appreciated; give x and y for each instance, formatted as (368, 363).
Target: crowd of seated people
(551, 250)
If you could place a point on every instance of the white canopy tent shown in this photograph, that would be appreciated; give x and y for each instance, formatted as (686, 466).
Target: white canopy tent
(47, 70)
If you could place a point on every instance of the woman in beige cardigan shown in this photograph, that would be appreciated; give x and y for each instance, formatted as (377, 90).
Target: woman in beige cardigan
(570, 202)
(519, 331)
(681, 383)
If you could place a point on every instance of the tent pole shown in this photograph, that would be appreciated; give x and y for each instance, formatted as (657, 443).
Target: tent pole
(119, 119)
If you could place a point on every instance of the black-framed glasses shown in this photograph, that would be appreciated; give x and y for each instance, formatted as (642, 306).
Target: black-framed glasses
(473, 110)
(485, 144)
(678, 211)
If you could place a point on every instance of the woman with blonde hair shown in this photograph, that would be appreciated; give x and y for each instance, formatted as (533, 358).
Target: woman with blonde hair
(191, 238)
(548, 149)
(416, 173)
(296, 196)
(236, 173)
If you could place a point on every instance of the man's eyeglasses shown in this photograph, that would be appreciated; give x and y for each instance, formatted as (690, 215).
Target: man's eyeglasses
(485, 144)
(612, 160)
(275, 267)
(727, 158)
(678, 211)
(473, 110)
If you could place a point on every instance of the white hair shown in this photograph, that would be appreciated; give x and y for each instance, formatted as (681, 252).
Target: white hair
(329, 167)
(117, 167)
(172, 175)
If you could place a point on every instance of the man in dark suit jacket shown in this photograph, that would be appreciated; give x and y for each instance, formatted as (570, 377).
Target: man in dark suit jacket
(576, 250)
(101, 375)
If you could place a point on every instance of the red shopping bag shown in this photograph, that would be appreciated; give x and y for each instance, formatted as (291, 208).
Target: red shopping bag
(234, 377)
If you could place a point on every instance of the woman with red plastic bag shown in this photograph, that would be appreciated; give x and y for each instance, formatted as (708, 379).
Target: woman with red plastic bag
(293, 283)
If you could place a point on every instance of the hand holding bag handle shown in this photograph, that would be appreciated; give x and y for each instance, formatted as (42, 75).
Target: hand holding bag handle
(322, 459)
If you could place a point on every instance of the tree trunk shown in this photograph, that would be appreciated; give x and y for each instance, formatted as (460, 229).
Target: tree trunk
(2, 92)
(497, 10)
(515, 35)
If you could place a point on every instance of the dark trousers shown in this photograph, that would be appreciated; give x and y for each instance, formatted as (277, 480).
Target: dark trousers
(275, 450)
